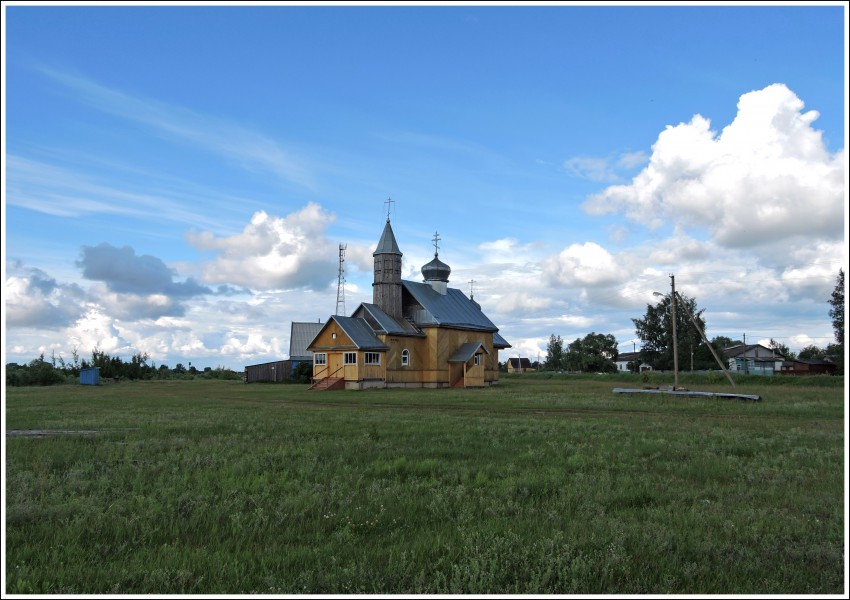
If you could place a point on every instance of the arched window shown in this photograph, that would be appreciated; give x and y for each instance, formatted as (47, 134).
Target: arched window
(405, 358)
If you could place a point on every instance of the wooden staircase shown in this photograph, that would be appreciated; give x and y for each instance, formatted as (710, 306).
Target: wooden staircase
(328, 383)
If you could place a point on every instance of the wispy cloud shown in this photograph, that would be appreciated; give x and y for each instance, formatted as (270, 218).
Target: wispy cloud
(245, 147)
(64, 192)
(603, 169)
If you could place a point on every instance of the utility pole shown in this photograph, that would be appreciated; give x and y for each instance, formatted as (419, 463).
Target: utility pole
(675, 349)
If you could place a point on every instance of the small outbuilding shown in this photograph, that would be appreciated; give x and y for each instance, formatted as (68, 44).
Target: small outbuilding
(90, 376)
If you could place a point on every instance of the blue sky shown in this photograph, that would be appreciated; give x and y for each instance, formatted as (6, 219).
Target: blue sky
(178, 179)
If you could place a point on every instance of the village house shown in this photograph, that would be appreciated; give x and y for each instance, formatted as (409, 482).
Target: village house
(753, 359)
(412, 334)
(519, 365)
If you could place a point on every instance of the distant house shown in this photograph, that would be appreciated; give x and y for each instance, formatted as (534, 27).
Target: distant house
(808, 367)
(519, 365)
(753, 359)
(283, 370)
(624, 358)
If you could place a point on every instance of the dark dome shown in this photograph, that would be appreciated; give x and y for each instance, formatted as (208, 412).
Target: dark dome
(436, 270)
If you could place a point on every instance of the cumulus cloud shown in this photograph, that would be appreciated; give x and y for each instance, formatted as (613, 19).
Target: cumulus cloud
(34, 299)
(587, 264)
(766, 177)
(273, 252)
(125, 272)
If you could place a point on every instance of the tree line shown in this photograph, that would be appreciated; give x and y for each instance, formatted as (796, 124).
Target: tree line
(597, 352)
(56, 370)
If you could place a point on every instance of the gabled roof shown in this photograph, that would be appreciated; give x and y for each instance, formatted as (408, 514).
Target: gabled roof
(381, 322)
(453, 309)
(387, 243)
(516, 362)
(467, 351)
(300, 337)
(357, 330)
(741, 349)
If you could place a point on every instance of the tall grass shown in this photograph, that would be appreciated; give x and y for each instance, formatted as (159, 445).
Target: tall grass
(539, 485)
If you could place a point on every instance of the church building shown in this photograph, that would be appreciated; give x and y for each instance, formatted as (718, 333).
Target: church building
(413, 334)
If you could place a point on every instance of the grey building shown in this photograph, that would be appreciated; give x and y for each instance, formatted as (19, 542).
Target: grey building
(282, 370)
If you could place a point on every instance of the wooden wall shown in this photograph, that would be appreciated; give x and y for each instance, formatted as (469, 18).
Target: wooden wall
(278, 371)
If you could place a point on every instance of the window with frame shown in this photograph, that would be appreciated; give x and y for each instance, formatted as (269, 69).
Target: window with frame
(320, 359)
(372, 358)
(349, 358)
(476, 360)
(405, 358)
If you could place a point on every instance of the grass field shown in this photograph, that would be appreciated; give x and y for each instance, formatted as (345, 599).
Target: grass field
(539, 485)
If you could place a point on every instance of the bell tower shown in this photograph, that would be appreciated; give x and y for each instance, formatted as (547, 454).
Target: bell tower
(386, 289)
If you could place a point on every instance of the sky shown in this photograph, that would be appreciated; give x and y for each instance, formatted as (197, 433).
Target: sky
(177, 180)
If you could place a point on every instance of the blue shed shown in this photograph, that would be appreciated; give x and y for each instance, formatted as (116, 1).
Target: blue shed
(90, 376)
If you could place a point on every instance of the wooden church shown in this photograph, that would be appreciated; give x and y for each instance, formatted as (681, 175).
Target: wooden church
(413, 334)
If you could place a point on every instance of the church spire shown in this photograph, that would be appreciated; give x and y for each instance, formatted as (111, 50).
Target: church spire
(386, 289)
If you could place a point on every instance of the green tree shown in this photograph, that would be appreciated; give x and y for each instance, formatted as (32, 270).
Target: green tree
(303, 372)
(554, 353)
(811, 352)
(835, 351)
(782, 349)
(837, 310)
(594, 353)
(655, 330)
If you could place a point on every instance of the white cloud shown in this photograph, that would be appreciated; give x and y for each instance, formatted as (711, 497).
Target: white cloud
(588, 264)
(767, 177)
(33, 299)
(273, 252)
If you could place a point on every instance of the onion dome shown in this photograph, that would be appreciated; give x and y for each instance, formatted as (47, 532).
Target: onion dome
(436, 270)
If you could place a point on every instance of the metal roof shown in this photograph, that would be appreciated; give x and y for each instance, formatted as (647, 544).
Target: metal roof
(300, 337)
(499, 341)
(453, 309)
(467, 351)
(360, 333)
(387, 243)
(381, 322)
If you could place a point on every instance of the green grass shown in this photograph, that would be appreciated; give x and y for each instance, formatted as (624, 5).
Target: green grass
(539, 485)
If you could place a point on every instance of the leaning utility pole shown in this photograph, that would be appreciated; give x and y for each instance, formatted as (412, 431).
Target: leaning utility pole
(707, 343)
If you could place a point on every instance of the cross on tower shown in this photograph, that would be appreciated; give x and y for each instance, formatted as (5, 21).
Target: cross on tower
(389, 202)
(471, 288)
(436, 243)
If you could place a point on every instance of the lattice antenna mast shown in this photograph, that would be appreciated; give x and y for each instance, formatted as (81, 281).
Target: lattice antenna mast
(340, 286)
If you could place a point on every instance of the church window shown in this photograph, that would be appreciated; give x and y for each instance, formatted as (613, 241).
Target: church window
(349, 358)
(405, 358)
(476, 360)
(372, 358)
(320, 359)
